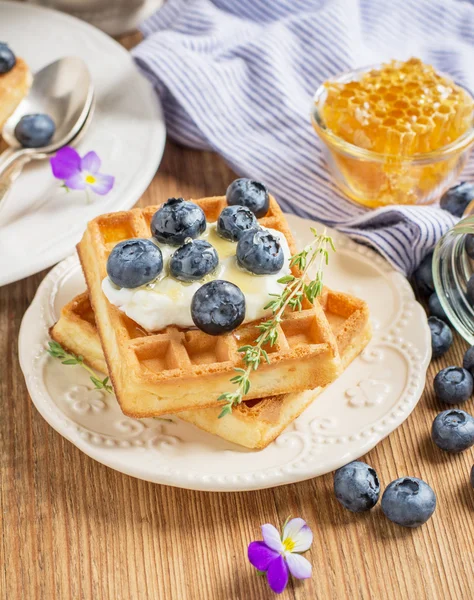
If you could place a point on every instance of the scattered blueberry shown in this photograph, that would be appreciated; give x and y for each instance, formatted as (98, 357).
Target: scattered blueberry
(469, 245)
(260, 252)
(453, 385)
(472, 476)
(470, 289)
(408, 501)
(456, 199)
(234, 221)
(441, 336)
(134, 262)
(436, 310)
(177, 220)
(356, 486)
(252, 194)
(7, 59)
(193, 260)
(424, 275)
(468, 360)
(218, 307)
(35, 131)
(453, 430)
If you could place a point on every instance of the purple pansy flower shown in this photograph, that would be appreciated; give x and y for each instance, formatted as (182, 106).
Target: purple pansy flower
(276, 556)
(81, 173)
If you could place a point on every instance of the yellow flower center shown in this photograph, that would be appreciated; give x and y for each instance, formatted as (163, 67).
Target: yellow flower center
(90, 179)
(288, 544)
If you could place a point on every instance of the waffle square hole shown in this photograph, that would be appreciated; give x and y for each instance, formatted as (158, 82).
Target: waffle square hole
(248, 337)
(205, 349)
(116, 231)
(157, 357)
(302, 331)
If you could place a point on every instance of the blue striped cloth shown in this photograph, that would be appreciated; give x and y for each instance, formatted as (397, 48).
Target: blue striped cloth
(238, 76)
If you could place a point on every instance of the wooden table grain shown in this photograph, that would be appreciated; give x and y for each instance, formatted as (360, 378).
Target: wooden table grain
(73, 529)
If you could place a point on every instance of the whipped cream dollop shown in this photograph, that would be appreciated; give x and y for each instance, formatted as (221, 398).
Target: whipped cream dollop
(167, 301)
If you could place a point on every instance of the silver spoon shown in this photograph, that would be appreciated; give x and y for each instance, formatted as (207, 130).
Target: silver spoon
(10, 175)
(64, 91)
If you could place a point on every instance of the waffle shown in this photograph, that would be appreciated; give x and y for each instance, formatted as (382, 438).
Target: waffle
(178, 369)
(14, 86)
(254, 423)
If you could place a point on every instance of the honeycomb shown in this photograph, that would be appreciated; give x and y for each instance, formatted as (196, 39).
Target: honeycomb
(403, 108)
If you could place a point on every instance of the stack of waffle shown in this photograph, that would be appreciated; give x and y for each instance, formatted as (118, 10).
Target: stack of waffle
(184, 371)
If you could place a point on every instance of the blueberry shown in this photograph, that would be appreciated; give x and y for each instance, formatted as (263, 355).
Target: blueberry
(234, 221)
(35, 131)
(218, 307)
(177, 220)
(424, 275)
(260, 252)
(436, 310)
(470, 289)
(193, 260)
(441, 336)
(453, 385)
(134, 262)
(456, 199)
(468, 360)
(453, 430)
(408, 501)
(7, 59)
(357, 486)
(252, 194)
(469, 245)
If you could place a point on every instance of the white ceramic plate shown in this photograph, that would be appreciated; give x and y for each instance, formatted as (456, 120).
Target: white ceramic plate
(371, 399)
(42, 222)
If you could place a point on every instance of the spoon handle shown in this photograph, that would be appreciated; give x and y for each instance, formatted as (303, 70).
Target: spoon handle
(7, 178)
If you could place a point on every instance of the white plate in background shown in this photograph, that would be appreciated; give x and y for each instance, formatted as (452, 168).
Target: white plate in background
(42, 222)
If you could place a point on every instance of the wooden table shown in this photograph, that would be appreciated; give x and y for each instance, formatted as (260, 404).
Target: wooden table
(74, 529)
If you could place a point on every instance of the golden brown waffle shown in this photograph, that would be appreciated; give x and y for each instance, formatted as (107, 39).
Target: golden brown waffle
(178, 369)
(14, 86)
(254, 423)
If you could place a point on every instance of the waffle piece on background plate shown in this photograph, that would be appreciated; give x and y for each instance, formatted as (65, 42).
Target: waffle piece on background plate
(255, 423)
(14, 86)
(184, 369)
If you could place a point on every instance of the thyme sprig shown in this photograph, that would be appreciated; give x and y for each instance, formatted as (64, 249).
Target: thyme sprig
(292, 296)
(68, 358)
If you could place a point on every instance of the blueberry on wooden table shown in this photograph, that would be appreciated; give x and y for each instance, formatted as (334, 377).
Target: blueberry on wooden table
(234, 221)
(134, 262)
(260, 252)
(177, 220)
(456, 199)
(441, 336)
(453, 385)
(468, 360)
(408, 501)
(193, 260)
(453, 430)
(436, 310)
(218, 307)
(35, 131)
(252, 194)
(357, 486)
(7, 59)
(423, 275)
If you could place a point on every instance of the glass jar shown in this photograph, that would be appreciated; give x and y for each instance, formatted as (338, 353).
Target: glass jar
(453, 268)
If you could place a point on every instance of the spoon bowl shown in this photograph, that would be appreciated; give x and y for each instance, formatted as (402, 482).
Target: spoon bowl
(64, 91)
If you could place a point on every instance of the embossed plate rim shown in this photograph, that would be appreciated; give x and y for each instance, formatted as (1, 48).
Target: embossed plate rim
(316, 457)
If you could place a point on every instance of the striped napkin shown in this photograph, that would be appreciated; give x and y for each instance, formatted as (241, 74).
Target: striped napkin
(238, 77)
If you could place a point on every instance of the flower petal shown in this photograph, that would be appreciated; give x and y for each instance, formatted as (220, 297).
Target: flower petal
(91, 163)
(103, 184)
(76, 181)
(299, 566)
(300, 534)
(272, 537)
(277, 575)
(65, 163)
(260, 555)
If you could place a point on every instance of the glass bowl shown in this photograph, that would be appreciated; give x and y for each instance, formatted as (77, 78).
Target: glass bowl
(375, 179)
